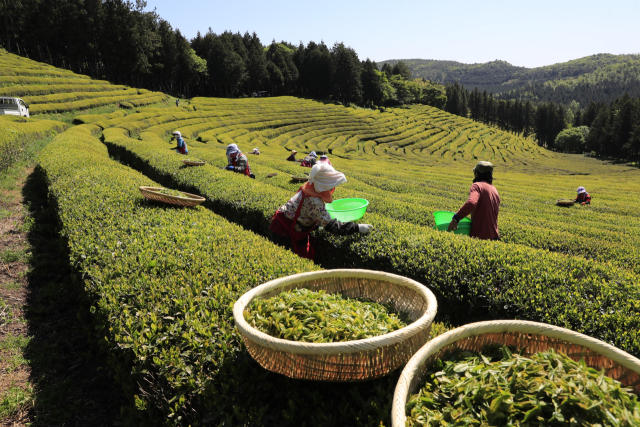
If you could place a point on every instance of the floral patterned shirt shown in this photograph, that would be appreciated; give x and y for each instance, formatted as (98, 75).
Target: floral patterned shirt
(312, 211)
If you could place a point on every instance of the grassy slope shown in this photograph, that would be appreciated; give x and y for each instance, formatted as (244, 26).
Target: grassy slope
(550, 176)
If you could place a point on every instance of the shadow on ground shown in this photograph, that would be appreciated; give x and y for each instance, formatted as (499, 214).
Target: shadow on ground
(69, 373)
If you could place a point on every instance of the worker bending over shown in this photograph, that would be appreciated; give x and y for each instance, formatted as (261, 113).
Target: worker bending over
(293, 223)
(324, 158)
(583, 197)
(292, 156)
(181, 146)
(310, 160)
(483, 205)
(237, 161)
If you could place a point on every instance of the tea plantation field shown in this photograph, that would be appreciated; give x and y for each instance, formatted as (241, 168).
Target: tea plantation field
(163, 280)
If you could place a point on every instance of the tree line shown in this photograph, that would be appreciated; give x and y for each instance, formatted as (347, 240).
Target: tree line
(603, 129)
(117, 40)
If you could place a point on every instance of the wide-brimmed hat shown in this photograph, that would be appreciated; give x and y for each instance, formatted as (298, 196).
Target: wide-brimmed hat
(483, 167)
(294, 152)
(581, 190)
(313, 154)
(177, 133)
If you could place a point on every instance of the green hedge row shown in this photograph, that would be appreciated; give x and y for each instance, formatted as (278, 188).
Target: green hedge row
(40, 72)
(16, 132)
(163, 281)
(76, 96)
(136, 100)
(25, 80)
(36, 90)
(473, 279)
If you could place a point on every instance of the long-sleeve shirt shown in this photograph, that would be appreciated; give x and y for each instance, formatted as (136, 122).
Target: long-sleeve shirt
(314, 211)
(584, 198)
(483, 204)
(241, 163)
(181, 146)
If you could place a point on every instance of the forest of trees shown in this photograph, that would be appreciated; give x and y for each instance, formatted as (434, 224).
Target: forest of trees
(600, 78)
(613, 129)
(119, 41)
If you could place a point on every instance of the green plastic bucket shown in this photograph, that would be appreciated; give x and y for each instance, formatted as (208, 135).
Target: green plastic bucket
(445, 217)
(346, 210)
(464, 228)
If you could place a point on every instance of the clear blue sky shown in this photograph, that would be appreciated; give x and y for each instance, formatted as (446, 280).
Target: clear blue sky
(530, 34)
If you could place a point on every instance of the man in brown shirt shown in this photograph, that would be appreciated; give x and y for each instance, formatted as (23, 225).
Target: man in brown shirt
(483, 205)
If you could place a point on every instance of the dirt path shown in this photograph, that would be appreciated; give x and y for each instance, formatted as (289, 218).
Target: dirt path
(51, 372)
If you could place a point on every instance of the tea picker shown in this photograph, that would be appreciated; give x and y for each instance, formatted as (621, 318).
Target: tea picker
(583, 197)
(237, 161)
(483, 204)
(310, 160)
(293, 222)
(182, 146)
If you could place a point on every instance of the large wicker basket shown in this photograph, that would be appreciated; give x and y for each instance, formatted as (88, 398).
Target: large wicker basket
(565, 202)
(349, 361)
(153, 193)
(190, 162)
(531, 336)
(299, 178)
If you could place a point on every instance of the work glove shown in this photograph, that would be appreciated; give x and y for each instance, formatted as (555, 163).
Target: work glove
(229, 168)
(365, 228)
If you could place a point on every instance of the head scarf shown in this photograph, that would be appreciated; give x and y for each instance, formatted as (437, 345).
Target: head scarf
(232, 149)
(313, 154)
(581, 190)
(324, 177)
(178, 133)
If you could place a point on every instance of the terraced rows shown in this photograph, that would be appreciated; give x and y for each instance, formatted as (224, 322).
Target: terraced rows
(164, 299)
(51, 90)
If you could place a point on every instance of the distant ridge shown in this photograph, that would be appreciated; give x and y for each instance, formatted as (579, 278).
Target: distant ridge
(601, 77)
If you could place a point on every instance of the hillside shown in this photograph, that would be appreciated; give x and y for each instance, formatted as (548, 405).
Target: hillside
(602, 77)
(160, 281)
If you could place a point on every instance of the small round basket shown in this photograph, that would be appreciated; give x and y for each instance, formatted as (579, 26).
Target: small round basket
(349, 361)
(193, 162)
(299, 178)
(533, 337)
(565, 202)
(153, 193)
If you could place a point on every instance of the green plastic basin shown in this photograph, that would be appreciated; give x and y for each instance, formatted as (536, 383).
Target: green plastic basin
(346, 210)
(464, 228)
(445, 217)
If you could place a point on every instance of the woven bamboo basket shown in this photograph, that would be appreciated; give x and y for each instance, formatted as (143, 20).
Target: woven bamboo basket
(193, 162)
(299, 178)
(565, 202)
(532, 336)
(152, 193)
(349, 361)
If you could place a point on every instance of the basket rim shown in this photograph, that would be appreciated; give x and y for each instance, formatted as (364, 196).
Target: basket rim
(398, 411)
(153, 190)
(193, 162)
(297, 347)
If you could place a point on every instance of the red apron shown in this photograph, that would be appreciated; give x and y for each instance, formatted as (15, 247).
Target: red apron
(234, 163)
(285, 227)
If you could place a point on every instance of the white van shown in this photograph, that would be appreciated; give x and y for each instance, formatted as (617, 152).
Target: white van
(13, 106)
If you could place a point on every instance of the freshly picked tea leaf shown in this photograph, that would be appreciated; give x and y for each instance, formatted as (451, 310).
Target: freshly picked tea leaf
(170, 192)
(498, 387)
(305, 315)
